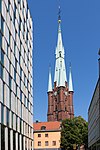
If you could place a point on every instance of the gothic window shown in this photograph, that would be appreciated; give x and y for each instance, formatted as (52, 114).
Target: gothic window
(65, 108)
(56, 108)
(56, 116)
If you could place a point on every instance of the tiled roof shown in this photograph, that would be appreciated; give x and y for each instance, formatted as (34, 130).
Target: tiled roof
(55, 125)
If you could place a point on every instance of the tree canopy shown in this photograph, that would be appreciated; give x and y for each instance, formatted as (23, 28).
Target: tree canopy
(74, 131)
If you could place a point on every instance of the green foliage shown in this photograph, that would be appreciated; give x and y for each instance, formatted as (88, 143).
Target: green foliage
(74, 131)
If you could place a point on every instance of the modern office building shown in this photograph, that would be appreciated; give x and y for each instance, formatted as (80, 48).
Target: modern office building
(47, 135)
(94, 121)
(60, 96)
(94, 118)
(16, 95)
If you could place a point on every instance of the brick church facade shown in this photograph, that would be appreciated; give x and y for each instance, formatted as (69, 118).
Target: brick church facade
(60, 96)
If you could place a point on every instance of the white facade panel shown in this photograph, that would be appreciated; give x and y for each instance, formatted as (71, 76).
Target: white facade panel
(6, 3)
(6, 63)
(1, 91)
(4, 10)
(14, 122)
(8, 20)
(6, 95)
(4, 115)
(18, 92)
(0, 117)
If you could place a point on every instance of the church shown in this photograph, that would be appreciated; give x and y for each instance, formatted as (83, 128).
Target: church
(60, 95)
(60, 102)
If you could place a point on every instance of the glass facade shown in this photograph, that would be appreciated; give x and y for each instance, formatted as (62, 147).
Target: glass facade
(16, 79)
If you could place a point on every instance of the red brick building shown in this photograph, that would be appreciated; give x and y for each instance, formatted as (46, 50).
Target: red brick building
(60, 96)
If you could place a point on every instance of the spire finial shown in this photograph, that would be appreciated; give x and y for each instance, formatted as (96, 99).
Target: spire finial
(59, 15)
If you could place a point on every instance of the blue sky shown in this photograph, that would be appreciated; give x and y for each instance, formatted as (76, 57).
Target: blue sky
(81, 39)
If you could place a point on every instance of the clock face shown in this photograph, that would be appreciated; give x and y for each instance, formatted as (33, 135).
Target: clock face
(66, 93)
(55, 93)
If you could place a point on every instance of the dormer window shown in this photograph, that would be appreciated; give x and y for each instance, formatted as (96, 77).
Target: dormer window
(43, 127)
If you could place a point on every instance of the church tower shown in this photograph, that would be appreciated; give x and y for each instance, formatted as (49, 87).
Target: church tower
(60, 96)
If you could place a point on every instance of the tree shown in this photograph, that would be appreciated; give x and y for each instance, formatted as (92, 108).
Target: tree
(74, 131)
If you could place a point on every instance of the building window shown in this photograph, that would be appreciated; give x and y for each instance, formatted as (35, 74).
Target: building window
(0, 5)
(39, 143)
(21, 96)
(14, 140)
(22, 142)
(10, 80)
(43, 128)
(0, 39)
(46, 135)
(53, 143)
(14, 74)
(18, 141)
(21, 73)
(2, 113)
(25, 143)
(8, 139)
(16, 122)
(46, 143)
(7, 117)
(16, 64)
(2, 137)
(2, 24)
(39, 135)
(12, 119)
(2, 62)
(56, 108)
(20, 126)
(1, 71)
(10, 98)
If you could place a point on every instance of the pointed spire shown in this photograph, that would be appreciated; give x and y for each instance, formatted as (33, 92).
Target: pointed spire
(50, 81)
(70, 80)
(60, 70)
